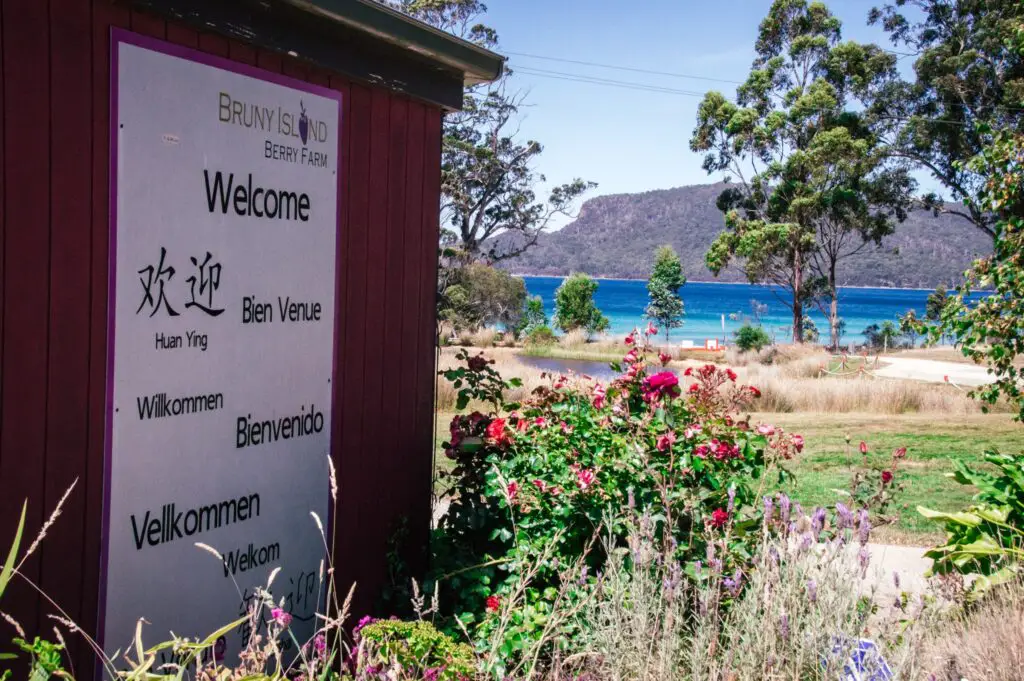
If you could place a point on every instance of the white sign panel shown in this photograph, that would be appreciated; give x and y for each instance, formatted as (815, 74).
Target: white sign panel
(223, 253)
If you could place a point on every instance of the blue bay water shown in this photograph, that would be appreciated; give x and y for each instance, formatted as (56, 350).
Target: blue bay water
(623, 302)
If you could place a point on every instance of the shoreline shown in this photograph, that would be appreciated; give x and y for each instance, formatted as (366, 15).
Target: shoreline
(724, 283)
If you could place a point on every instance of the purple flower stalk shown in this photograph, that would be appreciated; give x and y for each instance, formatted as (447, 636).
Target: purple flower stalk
(844, 516)
(784, 627)
(784, 507)
(818, 521)
(812, 591)
(864, 558)
(769, 509)
(864, 527)
(732, 498)
(896, 579)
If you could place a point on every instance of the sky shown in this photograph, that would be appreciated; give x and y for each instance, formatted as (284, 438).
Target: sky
(629, 140)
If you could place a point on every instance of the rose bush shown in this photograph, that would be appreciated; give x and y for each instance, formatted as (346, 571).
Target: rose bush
(547, 477)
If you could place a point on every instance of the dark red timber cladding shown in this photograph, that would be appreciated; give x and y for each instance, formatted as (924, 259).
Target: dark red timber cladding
(67, 404)
(26, 287)
(104, 15)
(54, 266)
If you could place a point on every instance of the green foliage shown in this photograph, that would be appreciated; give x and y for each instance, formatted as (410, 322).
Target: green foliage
(968, 84)
(417, 649)
(44, 658)
(884, 337)
(910, 327)
(574, 305)
(534, 315)
(12, 555)
(990, 329)
(987, 539)
(480, 295)
(489, 208)
(532, 490)
(666, 305)
(813, 175)
(936, 302)
(809, 330)
(541, 335)
(750, 337)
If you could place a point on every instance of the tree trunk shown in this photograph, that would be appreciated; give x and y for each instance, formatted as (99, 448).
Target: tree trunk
(833, 308)
(798, 302)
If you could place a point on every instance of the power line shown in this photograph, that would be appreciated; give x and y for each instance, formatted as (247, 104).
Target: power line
(646, 87)
(624, 68)
(583, 78)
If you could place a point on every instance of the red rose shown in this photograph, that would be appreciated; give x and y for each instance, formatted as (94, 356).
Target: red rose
(666, 441)
(754, 391)
(512, 489)
(665, 359)
(886, 477)
(899, 452)
(731, 374)
(493, 603)
(661, 384)
(496, 432)
(863, 447)
(478, 363)
(688, 372)
(719, 517)
(630, 340)
(693, 388)
(798, 442)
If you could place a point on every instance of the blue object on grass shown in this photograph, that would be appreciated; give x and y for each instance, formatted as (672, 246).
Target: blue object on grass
(867, 664)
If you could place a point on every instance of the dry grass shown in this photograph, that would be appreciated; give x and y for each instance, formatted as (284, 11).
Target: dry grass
(574, 339)
(484, 338)
(985, 645)
(792, 383)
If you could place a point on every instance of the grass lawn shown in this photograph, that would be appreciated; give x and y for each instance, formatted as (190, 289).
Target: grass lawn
(827, 463)
(932, 443)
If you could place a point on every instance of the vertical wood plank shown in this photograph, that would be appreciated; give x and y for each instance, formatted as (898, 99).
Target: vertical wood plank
(395, 405)
(148, 24)
(242, 53)
(26, 83)
(67, 406)
(213, 44)
(268, 60)
(427, 329)
(418, 457)
(104, 15)
(341, 530)
(180, 34)
(375, 424)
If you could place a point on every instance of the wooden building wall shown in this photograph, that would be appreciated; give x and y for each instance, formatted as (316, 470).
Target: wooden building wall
(54, 231)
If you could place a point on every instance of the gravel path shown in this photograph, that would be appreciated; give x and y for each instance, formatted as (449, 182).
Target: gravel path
(933, 371)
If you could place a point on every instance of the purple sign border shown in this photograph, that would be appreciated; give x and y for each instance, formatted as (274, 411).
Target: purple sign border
(118, 37)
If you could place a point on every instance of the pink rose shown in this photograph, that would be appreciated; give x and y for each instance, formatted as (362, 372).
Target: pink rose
(666, 441)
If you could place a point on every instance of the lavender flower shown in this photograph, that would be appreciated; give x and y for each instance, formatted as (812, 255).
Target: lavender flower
(784, 627)
(812, 591)
(734, 584)
(732, 498)
(769, 509)
(844, 516)
(818, 521)
(864, 527)
(784, 505)
(698, 567)
(583, 575)
(896, 579)
(864, 558)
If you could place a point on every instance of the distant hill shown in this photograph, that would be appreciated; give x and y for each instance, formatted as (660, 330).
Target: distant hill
(615, 236)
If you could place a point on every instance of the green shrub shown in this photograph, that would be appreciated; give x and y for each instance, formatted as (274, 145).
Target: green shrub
(541, 335)
(987, 539)
(752, 338)
(533, 484)
(574, 305)
(417, 649)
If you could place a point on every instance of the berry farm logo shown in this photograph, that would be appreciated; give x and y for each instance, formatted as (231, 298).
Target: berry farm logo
(269, 119)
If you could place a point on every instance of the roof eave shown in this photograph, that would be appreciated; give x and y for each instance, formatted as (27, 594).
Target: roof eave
(476, 64)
